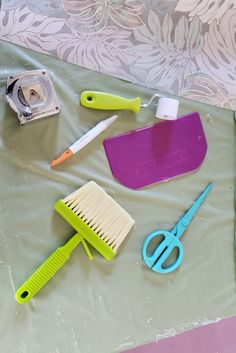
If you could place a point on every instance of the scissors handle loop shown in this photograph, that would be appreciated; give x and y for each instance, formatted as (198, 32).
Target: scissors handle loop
(158, 257)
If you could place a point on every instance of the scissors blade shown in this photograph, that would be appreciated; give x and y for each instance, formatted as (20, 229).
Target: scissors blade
(183, 223)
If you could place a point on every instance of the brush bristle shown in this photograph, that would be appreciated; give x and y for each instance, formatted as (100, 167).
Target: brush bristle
(101, 213)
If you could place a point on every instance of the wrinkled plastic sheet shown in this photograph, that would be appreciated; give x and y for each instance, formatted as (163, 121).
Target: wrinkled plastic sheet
(218, 336)
(100, 306)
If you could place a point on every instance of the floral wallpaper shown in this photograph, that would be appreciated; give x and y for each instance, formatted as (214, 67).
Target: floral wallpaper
(183, 47)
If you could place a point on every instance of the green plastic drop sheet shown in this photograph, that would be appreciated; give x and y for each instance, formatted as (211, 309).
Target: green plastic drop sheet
(100, 306)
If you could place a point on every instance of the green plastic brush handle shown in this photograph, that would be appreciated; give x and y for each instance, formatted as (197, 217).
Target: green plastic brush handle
(106, 101)
(48, 269)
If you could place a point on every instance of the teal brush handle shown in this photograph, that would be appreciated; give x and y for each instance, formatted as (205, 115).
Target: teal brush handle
(106, 101)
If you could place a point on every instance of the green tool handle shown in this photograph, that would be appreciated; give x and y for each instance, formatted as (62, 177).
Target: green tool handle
(106, 101)
(48, 269)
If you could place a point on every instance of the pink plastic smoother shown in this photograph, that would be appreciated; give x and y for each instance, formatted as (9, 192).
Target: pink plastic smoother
(219, 337)
(156, 153)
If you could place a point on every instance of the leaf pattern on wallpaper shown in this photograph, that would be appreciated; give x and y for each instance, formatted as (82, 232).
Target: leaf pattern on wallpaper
(162, 6)
(167, 53)
(218, 56)
(105, 51)
(203, 87)
(206, 10)
(11, 4)
(183, 47)
(22, 27)
(46, 7)
(90, 16)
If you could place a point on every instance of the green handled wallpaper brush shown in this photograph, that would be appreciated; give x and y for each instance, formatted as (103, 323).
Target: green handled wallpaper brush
(97, 218)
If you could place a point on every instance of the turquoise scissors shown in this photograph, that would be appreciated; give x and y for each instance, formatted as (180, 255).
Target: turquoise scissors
(171, 240)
